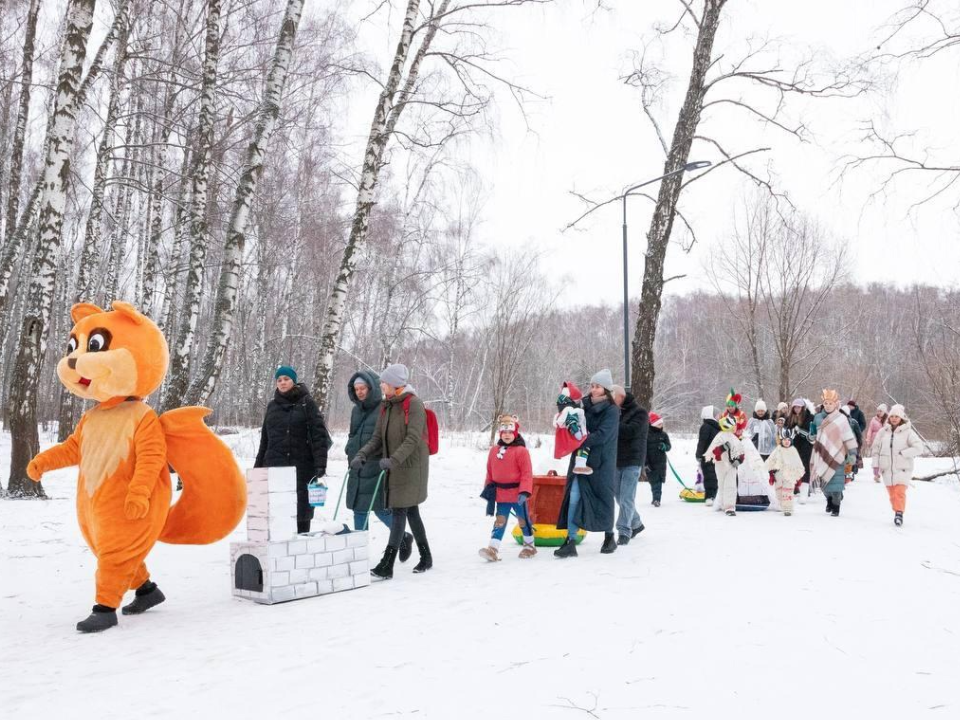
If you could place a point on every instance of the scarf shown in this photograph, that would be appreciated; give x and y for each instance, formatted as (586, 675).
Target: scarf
(835, 441)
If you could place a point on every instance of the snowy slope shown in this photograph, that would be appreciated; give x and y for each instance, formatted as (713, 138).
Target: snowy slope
(756, 616)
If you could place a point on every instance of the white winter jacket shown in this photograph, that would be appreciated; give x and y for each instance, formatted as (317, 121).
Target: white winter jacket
(894, 451)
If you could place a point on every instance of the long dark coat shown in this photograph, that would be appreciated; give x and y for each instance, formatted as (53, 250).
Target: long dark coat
(363, 423)
(632, 435)
(595, 512)
(708, 431)
(403, 442)
(295, 435)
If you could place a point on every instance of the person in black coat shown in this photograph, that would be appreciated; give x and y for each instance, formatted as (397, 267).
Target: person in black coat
(588, 498)
(294, 435)
(799, 420)
(708, 431)
(857, 414)
(631, 457)
(658, 445)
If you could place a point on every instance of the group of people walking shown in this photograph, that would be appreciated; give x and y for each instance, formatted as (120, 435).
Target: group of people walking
(620, 441)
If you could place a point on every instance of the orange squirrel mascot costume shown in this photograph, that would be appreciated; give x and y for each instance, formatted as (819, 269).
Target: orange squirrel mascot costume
(123, 449)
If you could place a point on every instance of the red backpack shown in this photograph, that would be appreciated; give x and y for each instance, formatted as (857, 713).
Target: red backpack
(431, 433)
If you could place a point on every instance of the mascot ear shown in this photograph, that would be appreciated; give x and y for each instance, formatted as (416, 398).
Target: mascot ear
(125, 308)
(81, 310)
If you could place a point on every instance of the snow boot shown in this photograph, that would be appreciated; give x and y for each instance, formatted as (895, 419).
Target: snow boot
(787, 513)
(102, 618)
(829, 505)
(148, 596)
(384, 569)
(623, 540)
(637, 531)
(609, 544)
(731, 513)
(568, 549)
(489, 554)
(898, 519)
(406, 547)
(835, 512)
(709, 502)
(426, 559)
(528, 551)
(656, 503)
(580, 466)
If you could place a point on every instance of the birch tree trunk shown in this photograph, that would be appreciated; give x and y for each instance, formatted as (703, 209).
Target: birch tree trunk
(225, 306)
(385, 117)
(20, 131)
(199, 231)
(33, 335)
(172, 283)
(661, 225)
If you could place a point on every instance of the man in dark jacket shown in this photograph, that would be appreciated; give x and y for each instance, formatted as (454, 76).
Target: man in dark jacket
(631, 457)
(295, 435)
(857, 414)
(708, 431)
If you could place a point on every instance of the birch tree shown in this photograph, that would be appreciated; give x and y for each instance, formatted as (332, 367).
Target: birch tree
(35, 326)
(225, 305)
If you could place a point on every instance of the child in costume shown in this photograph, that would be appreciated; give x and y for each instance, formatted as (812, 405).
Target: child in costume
(508, 485)
(786, 469)
(733, 411)
(125, 451)
(571, 427)
(658, 443)
(726, 453)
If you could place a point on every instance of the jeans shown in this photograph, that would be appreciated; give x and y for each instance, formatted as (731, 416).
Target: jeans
(503, 517)
(572, 527)
(629, 519)
(360, 518)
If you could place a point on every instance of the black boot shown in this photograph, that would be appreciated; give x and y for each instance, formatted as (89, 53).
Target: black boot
(637, 531)
(829, 504)
(426, 559)
(303, 526)
(406, 547)
(835, 512)
(609, 544)
(898, 519)
(623, 540)
(148, 596)
(568, 549)
(102, 618)
(384, 569)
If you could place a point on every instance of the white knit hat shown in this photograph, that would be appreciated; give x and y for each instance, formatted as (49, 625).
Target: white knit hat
(882, 407)
(899, 411)
(760, 406)
(603, 378)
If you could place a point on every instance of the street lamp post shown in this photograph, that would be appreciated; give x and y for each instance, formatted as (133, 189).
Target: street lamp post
(698, 165)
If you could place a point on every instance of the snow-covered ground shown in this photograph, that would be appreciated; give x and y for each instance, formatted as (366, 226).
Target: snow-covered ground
(757, 616)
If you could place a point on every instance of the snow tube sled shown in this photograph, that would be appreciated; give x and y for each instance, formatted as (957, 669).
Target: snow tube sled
(545, 535)
(752, 503)
(692, 496)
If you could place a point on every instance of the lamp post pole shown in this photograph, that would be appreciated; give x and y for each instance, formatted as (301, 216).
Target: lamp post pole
(626, 291)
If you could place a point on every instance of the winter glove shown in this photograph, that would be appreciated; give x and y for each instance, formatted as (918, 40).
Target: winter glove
(136, 505)
(34, 472)
(386, 464)
(319, 473)
(356, 463)
(717, 453)
(876, 473)
(662, 447)
(573, 424)
(522, 500)
(773, 478)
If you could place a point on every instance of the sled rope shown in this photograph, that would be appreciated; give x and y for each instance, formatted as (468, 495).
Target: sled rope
(676, 474)
(340, 496)
(366, 521)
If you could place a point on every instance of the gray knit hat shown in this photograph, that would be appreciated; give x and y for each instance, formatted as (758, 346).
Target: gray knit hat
(604, 379)
(395, 375)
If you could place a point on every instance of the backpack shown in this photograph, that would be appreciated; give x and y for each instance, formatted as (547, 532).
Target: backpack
(431, 431)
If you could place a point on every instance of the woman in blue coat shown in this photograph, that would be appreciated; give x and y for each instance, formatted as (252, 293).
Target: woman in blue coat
(588, 499)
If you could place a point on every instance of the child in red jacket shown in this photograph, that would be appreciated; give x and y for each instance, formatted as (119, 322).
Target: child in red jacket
(509, 483)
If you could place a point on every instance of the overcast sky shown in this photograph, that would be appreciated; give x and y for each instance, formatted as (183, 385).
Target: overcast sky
(591, 136)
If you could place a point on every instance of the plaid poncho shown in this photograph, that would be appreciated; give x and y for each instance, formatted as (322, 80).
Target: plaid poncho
(835, 442)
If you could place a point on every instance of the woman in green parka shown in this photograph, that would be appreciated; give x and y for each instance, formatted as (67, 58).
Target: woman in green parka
(399, 439)
(364, 392)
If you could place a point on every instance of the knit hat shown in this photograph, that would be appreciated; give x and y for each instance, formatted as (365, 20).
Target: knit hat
(570, 391)
(727, 423)
(899, 411)
(782, 406)
(359, 380)
(733, 398)
(798, 402)
(618, 390)
(882, 407)
(603, 378)
(761, 406)
(285, 371)
(509, 424)
(830, 396)
(852, 403)
(656, 420)
(395, 375)
(707, 412)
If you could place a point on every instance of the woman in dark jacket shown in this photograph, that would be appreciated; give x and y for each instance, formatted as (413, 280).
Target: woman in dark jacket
(294, 435)
(588, 500)
(708, 431)
(399, 438)
(799, 420)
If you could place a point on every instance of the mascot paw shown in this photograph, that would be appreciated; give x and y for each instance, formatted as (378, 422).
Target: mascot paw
(135, 507)
(34, 472)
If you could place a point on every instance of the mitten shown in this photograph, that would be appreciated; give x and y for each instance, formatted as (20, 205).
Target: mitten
(386, 464)
(773, 478)
(136, 506)
(717, 453)
(522, 500)
(34, 471)
(356, 463)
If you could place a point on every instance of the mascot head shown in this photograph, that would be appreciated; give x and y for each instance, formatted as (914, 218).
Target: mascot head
(113, 354)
